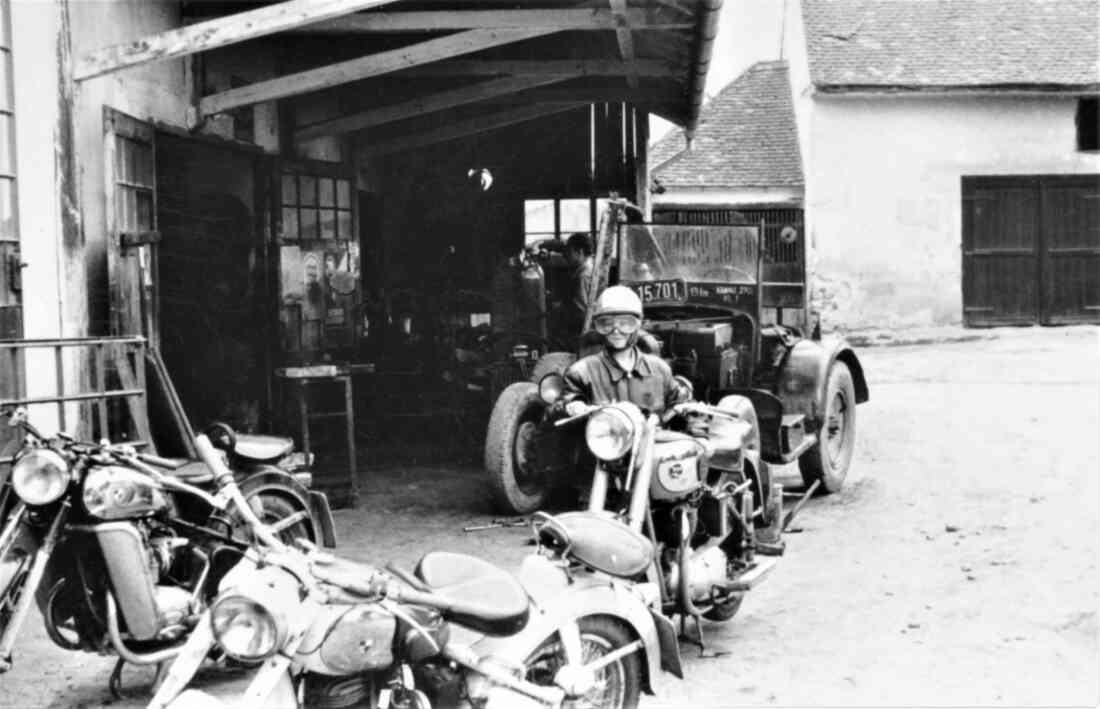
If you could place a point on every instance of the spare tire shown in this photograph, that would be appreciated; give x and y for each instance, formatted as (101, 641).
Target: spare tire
(517, 483)
(552, 362)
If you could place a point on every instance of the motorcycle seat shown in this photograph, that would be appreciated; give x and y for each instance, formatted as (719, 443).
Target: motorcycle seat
(599, 541)
(487, 598)
(262, 449)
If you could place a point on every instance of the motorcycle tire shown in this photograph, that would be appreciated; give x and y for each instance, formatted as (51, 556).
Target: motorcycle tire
(724, 611)
(271, 508)
(829, 459)
(515, 484)
(619, 684)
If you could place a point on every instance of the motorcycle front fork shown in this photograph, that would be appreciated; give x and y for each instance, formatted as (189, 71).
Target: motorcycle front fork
(32, 579)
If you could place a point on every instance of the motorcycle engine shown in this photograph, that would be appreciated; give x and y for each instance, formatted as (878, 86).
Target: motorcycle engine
(146, 566)
(706, 569)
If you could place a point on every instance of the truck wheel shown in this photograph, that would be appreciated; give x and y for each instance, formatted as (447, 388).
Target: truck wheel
(556, 362)
(516, 483)
(829, 459)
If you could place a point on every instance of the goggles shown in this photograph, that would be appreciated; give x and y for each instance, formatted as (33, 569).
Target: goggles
(626, 324)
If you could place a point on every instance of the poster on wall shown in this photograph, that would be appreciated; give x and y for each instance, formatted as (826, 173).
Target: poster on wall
(291, 276)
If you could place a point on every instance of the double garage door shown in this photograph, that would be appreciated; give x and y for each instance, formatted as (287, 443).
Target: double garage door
(1031, 249)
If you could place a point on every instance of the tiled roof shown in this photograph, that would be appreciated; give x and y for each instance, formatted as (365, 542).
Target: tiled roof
(913, 44)
(746, 137)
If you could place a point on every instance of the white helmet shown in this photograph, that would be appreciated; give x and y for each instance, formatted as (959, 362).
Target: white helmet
(618, 300)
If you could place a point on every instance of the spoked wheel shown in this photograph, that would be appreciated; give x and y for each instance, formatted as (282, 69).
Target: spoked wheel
(829, 459)
(288, 521)
(616, 685)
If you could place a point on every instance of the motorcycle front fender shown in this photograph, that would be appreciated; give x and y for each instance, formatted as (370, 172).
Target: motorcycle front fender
(273, 480)
(559, 600)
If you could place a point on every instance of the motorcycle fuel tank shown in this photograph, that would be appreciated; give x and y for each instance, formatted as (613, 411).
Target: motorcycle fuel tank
(675, 466)
(113, 492)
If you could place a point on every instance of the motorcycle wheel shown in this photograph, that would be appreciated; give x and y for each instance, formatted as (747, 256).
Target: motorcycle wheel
(14, 567)
(272, 508)
(618, 685)
(516, 485)
(724, 611)
(829, 459)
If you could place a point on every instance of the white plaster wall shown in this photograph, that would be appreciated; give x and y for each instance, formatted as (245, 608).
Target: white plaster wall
(35, 71)
(35, 64)
(884, 197)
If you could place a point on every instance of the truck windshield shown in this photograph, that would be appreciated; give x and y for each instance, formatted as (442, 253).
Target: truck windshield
(716, 254)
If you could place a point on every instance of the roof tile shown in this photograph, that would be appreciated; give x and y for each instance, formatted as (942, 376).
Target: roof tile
(746, 137)
(912, 44)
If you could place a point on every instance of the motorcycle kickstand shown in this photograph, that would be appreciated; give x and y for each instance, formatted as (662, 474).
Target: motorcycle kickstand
(698, 640)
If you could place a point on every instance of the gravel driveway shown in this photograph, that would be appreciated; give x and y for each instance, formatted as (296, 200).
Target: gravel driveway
(957, 567)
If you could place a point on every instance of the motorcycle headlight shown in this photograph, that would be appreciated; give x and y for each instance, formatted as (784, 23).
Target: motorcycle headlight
(609, 433)
(40, 476)
(246, 628)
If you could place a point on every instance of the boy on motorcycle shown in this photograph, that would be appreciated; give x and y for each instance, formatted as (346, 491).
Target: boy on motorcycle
(621, 371)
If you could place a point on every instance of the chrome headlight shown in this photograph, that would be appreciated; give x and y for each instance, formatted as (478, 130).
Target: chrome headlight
(246, 628)
(40, 476)
(610, 433)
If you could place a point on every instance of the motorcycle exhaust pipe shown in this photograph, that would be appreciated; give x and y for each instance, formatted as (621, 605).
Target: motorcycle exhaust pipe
(134, 658)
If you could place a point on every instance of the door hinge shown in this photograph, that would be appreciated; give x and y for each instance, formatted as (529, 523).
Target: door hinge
(15, 273)
(132, 239)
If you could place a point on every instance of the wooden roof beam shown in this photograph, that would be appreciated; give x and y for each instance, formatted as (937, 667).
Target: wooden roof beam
(215, 33)
(426, 104)
(440, 20)
(464, 128)
(530, 67)
(362, 68)
(626, 42)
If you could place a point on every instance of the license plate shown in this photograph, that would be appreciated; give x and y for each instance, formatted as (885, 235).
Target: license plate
(673, 290)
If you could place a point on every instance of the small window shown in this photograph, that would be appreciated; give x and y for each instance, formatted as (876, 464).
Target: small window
(1088, 124)
(558, 218)
(316, 208)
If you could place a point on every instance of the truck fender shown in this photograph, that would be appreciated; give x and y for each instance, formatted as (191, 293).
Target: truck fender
(558, 601)
(279, 482)
(800, 384)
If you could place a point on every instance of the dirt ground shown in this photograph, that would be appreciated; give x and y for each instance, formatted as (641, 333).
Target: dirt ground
(957, 567)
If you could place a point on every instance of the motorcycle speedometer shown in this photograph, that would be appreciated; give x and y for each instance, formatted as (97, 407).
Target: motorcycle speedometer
(40, 476)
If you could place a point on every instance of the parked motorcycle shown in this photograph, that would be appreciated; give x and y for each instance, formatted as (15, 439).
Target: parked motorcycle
(335, 633)
(123, 550)
(699, 501)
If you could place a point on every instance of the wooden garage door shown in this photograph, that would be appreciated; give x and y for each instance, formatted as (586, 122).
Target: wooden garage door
(1031, 249)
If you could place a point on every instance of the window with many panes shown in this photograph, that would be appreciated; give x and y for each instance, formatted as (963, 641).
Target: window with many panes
(316, 207)
(558, 218)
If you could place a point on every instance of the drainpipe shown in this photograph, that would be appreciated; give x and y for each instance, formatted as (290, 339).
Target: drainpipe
(707, 31)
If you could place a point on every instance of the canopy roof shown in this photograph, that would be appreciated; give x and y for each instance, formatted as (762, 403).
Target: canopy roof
(384, 62)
